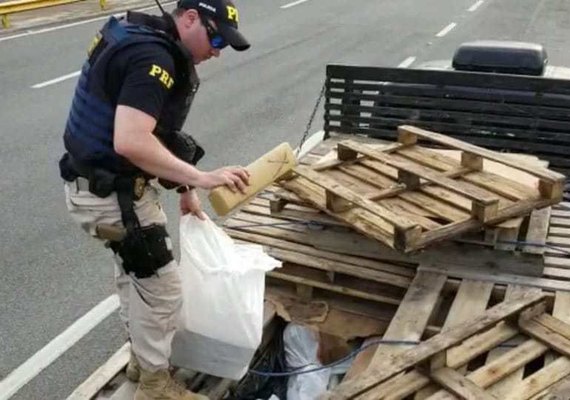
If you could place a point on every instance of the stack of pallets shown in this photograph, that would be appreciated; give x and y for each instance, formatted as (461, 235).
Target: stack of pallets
(423, 240)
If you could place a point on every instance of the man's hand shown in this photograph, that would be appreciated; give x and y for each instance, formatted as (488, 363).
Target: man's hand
(235, 178)
(190, 203)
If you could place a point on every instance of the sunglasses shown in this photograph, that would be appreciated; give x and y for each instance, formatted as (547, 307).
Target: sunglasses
(217, 41)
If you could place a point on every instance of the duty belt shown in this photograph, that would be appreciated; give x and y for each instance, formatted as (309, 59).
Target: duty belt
(102, 183)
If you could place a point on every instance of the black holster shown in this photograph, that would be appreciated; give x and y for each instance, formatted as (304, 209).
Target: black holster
(144, 251)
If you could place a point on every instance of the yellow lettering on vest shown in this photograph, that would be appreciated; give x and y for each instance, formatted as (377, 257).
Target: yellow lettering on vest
(233, 14)
(94, 44)
(164, 78)
(170, 83)
(155, 70)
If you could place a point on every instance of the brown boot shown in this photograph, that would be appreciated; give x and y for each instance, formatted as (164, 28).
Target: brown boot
(159, 385)
(133, 370)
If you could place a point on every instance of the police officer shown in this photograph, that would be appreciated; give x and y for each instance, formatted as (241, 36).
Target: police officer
(124, 130)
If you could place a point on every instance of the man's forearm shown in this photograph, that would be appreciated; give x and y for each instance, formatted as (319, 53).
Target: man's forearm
(148, 153)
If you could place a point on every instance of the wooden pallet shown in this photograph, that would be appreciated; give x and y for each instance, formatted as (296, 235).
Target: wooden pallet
(306, 231)
(495, 236)
(407, 197)
(511, 350)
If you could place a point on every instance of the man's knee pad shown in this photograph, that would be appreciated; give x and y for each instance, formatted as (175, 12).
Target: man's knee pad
(144, 251)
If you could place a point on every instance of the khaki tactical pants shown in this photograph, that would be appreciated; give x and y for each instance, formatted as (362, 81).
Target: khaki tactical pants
(149, 306)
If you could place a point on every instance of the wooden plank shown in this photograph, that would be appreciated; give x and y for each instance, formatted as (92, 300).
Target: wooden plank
(426, 187)
(541, 380)
(457, 357)
(549, 337)
(335, 162)
(561, 232)
(554, 251)
(456, 228)
(471, 300)
(430, 202)
(506, 239)
(435, 206)
(459, 385)
(537, 230)
(270, 231)
(363, 221)
(429, 158)
(479, 344)
(506, 385)
(560, 213)
(442, 194)
(332, 186)
(557, 262)
(401, 387)
(388, 368)
(261, 207)
(304, 277)
(509, 183)
(554, 324)
(561, 222)
(457, 271)
(557, 273)
(420, 171)
(344, 268)
(561, 311)
(89, 388)
(558, 391)
(248, 220)
(501, 367)
(501, 185)
(561, 308)
(543, 173)
(409, 322)
(410, 210)
(353, 183)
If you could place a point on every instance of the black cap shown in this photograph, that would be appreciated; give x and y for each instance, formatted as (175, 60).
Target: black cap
(226, 16)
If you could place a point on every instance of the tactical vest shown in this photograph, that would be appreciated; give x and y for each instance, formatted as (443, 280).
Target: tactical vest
(89, 130)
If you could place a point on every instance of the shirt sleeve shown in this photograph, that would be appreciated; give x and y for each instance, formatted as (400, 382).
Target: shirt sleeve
(148, 78)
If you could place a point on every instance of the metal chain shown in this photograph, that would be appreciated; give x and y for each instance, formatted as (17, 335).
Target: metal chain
(307, 129)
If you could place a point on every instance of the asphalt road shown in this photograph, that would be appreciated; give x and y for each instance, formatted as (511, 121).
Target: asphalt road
(51, 274)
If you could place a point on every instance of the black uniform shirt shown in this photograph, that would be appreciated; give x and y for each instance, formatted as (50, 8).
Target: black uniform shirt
(141, 76)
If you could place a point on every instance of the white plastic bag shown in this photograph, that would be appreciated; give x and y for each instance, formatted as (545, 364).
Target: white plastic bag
(223, 285)
(301, 349)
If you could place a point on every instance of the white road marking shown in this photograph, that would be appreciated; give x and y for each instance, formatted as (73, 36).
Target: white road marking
(475, 6)
(293, 4)
(407, 62)
(72, 24)
(446, 30)
(56, 80)
(39, 361)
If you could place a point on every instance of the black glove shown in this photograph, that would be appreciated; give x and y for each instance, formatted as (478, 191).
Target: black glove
(183, 146)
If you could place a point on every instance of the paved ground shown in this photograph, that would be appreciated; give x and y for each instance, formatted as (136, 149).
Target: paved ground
(51, 274)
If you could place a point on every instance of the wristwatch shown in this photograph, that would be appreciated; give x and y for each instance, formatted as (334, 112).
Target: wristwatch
(184, 189)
